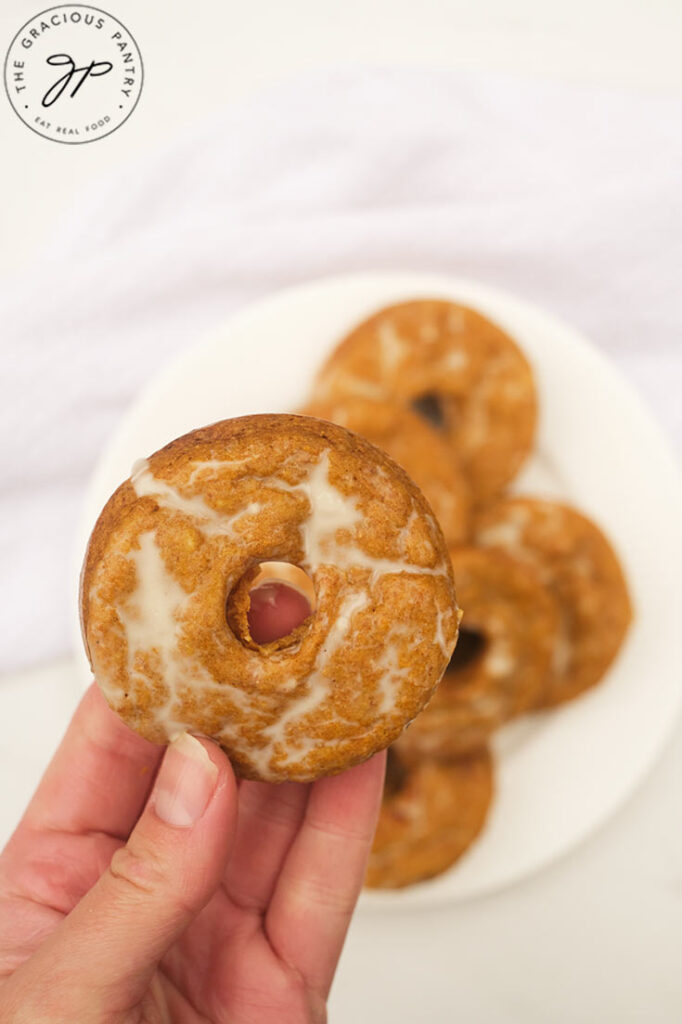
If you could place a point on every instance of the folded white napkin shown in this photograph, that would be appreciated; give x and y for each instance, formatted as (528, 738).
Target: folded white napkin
(569, 196)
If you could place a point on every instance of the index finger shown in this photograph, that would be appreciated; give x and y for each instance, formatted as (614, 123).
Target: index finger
(98, 779)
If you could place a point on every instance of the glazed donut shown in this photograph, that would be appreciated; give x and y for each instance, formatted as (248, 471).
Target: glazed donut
(458, 370)
(414, 445)
(501, 665)
(430, 814)
(182, 540)
(576, 562)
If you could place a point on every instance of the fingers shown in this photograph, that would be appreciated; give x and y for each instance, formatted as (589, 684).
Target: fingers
(101, 774)
(105, 952)
(275, 611)
(320, 881)
(98, 779)
(269, 818)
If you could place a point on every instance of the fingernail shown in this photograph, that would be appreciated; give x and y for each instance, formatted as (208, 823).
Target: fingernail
(185, 782)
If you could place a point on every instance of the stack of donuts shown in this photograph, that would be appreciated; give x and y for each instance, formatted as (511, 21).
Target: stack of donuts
(451, 398)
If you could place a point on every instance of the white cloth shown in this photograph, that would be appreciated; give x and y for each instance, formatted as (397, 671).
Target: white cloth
(569, 196)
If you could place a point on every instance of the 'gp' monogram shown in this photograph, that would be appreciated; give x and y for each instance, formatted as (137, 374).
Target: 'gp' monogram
(92, 70)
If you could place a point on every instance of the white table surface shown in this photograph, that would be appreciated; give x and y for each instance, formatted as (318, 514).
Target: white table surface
(597, 936)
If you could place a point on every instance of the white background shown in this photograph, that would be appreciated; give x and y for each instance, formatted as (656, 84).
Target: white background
(596, 937)
(203, 54)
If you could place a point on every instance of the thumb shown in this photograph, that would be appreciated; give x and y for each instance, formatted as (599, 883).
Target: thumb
(105, 952)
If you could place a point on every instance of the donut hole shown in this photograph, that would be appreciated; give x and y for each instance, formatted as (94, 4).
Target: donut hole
(396, 774)
(270, 603)
(471, 645)
(430, 407)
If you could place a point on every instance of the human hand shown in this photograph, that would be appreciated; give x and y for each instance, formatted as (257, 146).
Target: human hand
(205, 900)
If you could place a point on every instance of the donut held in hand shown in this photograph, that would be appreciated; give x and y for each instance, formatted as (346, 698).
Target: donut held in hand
(174, 556)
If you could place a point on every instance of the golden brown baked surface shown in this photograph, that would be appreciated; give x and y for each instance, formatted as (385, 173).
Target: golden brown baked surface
(176, 539)
(458, 368)
(501, 665)
(416, 446)
(430, 814)
(576, 562)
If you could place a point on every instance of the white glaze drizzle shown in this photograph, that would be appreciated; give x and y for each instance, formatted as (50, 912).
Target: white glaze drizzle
(210, 521)
(499, 661)
(347, 383)
(439, 638)
(392, 347)
(392, 674)
(505, 534)
(331, 511)
(455, 360)
(316, 689)
(212, 465)
(152, 617)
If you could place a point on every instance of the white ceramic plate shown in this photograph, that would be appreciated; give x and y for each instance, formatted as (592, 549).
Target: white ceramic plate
(560, 774)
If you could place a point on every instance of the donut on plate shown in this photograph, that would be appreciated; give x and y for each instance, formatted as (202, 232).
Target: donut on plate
(501, 665)
(431, 812)
(416, 446)
(167, 573)
(458, 370)
(577, 564)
